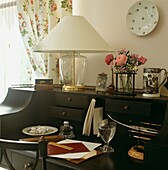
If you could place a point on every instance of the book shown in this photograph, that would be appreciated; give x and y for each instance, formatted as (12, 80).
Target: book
(76, 147)
(43, 81)
(44, 86)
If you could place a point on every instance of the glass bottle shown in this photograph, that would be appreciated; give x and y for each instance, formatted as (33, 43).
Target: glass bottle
(66, 130)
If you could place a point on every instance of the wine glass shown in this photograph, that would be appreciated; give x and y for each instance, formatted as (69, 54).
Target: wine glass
(107, 131)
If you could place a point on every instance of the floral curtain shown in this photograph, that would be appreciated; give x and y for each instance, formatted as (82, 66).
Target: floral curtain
(36, 19)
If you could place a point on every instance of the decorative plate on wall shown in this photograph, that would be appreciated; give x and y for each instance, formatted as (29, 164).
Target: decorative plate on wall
(142, 17)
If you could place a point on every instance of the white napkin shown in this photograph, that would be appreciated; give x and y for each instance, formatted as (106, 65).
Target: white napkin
(88, 118)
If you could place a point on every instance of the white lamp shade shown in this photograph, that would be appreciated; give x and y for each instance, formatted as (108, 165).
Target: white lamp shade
(73, 33)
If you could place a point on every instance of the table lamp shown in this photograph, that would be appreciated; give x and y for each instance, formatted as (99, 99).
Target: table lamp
(72, 36)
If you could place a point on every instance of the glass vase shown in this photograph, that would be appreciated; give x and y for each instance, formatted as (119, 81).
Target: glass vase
(125, 83)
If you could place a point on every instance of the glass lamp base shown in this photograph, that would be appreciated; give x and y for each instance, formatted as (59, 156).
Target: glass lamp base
(73, 87)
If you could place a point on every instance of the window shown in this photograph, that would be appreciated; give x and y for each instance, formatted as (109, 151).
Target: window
(14, 64)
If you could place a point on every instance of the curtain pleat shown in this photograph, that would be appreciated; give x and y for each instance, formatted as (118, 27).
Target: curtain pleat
(7, 9)
(7, 3)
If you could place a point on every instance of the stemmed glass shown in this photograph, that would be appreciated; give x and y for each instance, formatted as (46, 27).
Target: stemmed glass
(107, 131)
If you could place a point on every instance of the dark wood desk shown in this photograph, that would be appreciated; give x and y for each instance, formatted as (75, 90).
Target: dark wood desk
(107, 161)
(26, 107)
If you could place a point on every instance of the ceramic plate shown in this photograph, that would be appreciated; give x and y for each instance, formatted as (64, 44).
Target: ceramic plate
(142, 17)
(39, 130)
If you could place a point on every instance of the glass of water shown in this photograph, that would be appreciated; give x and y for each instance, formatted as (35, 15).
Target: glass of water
(107, 131)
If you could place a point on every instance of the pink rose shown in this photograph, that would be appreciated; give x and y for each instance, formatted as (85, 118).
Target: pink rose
(142, 60)
(109, 59)
(134, 56)
(121, 60)
(123, 51)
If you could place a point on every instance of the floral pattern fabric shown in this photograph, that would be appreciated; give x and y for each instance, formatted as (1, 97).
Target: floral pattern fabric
(36, 19)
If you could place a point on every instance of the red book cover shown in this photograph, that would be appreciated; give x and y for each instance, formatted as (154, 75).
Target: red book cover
(77, 147)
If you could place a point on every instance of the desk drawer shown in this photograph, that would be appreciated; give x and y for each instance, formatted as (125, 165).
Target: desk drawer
(67, 113)
(71, 100)
(20, 160)
(128, 107)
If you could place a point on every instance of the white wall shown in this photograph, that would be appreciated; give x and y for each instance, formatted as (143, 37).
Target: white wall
(108, 17)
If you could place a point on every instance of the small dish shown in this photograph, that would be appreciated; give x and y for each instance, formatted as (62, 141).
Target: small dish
(142, 17)
(39, 130)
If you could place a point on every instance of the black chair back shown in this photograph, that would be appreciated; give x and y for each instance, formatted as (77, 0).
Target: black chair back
(39, 147)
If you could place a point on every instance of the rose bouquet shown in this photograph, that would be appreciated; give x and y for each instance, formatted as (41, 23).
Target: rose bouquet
(125, 62)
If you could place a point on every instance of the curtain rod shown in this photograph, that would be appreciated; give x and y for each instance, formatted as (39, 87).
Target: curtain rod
(8, 4)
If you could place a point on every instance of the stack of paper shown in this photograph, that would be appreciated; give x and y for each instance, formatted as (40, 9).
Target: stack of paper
(86, 152)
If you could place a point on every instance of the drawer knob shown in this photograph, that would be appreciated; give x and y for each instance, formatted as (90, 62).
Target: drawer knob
(63, 113)
(69, 99)
(126, 107)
